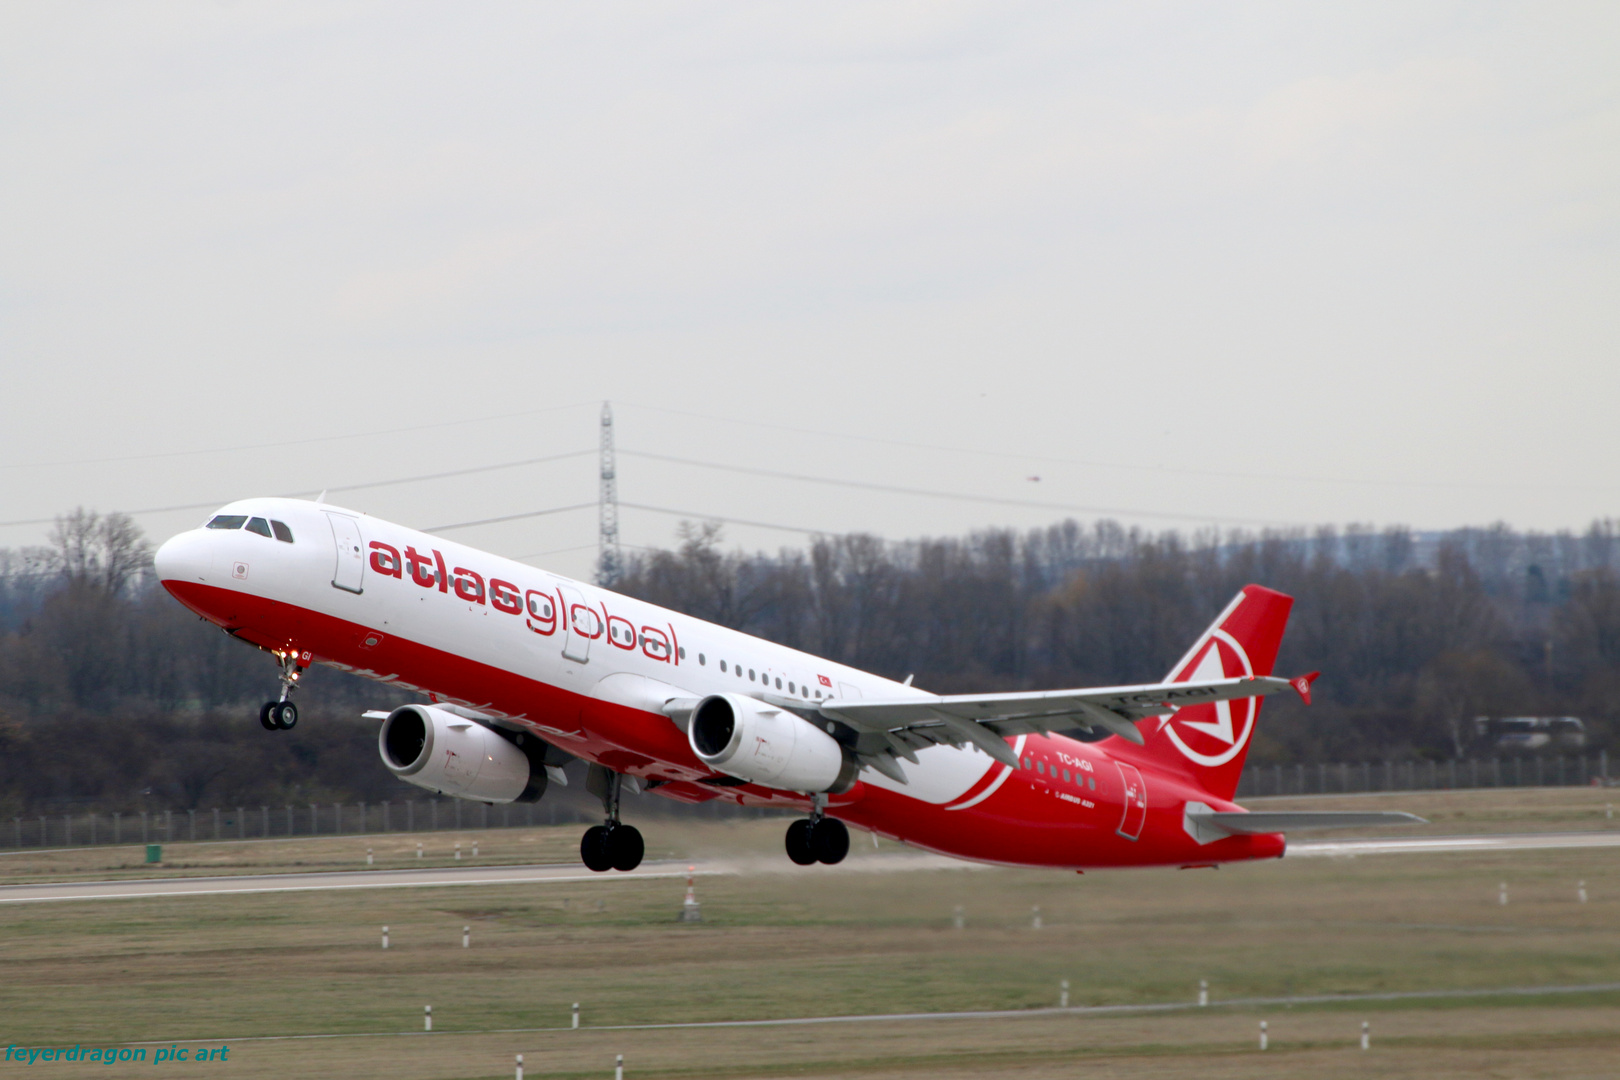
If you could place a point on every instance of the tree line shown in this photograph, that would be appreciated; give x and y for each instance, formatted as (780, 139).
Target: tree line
(114, 696)
(1416, 634)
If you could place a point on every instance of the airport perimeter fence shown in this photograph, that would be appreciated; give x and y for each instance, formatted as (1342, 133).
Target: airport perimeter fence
(1345, 778)
(309, 819)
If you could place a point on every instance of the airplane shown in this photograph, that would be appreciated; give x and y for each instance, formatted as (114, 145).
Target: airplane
(524, 671)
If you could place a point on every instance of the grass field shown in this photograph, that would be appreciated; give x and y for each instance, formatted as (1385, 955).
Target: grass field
(778, 941)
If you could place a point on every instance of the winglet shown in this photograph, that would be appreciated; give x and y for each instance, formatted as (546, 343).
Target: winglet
(1302, 685)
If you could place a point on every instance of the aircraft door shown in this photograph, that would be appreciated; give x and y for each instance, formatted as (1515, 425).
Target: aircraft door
(584, 624)
(350, 570)
(1130, 825)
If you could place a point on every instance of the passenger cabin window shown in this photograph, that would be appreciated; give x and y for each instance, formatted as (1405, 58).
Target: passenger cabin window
(260, 526)
(722, 666)
(283, 533)
(228, 521)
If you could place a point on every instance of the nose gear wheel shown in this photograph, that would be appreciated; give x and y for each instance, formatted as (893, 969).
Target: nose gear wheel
(282, 714)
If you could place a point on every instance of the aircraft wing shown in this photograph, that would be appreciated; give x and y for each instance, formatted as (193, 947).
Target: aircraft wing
(888, 730)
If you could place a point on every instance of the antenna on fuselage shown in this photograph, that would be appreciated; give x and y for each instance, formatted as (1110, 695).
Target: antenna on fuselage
(609, 561)
(321, 497)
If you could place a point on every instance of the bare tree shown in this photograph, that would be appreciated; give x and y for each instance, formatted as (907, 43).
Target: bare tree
(107, 552)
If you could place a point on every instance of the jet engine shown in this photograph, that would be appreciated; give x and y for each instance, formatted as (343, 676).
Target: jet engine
(764, 745)
(449, 754)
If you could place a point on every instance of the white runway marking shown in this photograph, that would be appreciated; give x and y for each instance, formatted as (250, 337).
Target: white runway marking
(360, 879)
(1440, 845)
(984, 1014)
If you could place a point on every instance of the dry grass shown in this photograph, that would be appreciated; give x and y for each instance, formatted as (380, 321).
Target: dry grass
(793, 942)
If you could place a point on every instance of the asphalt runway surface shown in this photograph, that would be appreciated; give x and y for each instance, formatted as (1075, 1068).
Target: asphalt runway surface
(442, 877)
(556, 874)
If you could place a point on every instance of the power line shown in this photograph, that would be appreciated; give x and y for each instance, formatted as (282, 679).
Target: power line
(996, 500)
(576, 547)
(727, 520)
(510, 517)
(345, 487)
(627, 505)
(1123, 466)
(289, 442)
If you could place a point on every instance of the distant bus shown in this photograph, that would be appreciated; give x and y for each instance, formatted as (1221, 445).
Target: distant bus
(1528, 733)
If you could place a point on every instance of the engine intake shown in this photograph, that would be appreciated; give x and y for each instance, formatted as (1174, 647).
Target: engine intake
(753, 741)
(452, 755)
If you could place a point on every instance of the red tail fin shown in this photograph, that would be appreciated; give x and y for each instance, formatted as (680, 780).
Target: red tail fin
(1211, 741)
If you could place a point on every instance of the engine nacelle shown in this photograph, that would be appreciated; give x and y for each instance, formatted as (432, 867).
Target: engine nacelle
(449, 754)
(764, 745)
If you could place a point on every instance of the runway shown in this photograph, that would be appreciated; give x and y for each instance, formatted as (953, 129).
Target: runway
(443, 877)
(559, 874)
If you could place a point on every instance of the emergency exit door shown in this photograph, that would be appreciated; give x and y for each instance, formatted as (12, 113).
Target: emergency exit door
(1130, 824)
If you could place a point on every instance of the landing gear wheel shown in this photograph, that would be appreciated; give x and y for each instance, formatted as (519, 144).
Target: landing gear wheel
(265, 719)
(593, 849)
(829, 840)
(285, 715)
(798, 842)
(625, 847)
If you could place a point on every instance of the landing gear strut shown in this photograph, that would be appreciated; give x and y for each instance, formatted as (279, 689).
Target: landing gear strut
(282, 714)
(611, 845)
(817, 838)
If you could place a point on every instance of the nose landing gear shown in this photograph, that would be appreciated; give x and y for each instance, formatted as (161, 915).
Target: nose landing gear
(282, 714)
(611, 845)
(817, 838)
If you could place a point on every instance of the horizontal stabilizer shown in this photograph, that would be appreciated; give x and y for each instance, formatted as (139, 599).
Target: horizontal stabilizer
(1285, 821)
(1206, 825)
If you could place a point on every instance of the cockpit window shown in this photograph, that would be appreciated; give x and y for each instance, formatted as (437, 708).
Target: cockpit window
(228, 521)
(283, 533)
(258, 525)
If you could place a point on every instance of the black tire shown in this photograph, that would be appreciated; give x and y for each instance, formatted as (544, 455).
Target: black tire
(265, 719)
(593, 849)
(799, 841)
(829, 841)
(625, 847)
(285, 714)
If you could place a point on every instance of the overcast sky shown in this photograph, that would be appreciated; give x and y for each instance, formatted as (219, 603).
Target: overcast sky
(1188, 264)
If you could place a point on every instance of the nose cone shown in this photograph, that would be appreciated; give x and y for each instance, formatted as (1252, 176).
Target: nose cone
(183, 557)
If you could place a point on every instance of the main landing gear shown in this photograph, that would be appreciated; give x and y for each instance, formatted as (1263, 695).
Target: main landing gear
(817, 838)
(611, 845)
(282, 714)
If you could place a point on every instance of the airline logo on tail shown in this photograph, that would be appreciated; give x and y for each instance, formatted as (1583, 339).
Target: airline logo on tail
(1214, 734)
